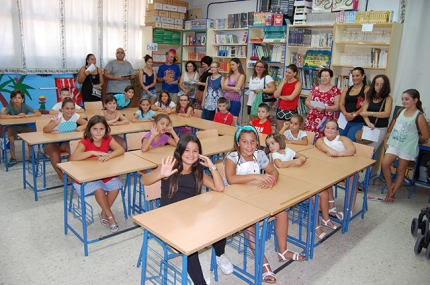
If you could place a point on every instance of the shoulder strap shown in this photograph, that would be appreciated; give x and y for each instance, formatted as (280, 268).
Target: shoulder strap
(416, 121)
(398, 113)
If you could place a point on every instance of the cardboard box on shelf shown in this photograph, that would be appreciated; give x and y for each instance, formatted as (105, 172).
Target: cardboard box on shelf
(152, 19)
(154, 24)
(167, 26)
(167, 20)
(152, 13)
(182, 16)
(182, 9)
(194, 14)
(162, 13)
(178, 27)
(161, 1)
(179, 22)
(154, 6)
(180, 3)
(174, 15)
(170, 8)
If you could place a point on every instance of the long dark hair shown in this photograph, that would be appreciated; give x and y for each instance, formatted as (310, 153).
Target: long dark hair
(415, 95)
(93, 121)
(361, 70)
(265, 72)
(169, 99)
(86, 59)
(239, 67)
(383, 93)
(196, 168)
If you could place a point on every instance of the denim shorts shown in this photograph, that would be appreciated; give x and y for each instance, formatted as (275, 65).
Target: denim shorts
(145, 95)
(111, 185)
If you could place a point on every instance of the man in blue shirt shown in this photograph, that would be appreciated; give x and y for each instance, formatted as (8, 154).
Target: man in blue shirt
(169, 75)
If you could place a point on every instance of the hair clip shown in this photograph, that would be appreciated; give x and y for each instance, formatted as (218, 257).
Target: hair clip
(245, 128)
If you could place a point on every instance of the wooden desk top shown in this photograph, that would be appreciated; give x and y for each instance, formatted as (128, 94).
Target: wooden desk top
(216, 145)
(130, 128)
(155, 155)
(357, 162)
(299, 148)
(207, 125)
(92, 169)
(286, 193)
(23, 121)
(41, 137)
(319, 172)
(197, 222)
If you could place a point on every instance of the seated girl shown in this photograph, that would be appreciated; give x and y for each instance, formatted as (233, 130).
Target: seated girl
(164, 103)
(157, 136)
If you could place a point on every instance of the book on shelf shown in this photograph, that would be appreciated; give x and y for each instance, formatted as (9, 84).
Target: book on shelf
(245, 38)
(305, 37)
(231, 51)
(279, 76)
(225, 39)
(273, 71)
(309, 78)
(341, 81)
(296, 58)
(224, 66)
(196, 56)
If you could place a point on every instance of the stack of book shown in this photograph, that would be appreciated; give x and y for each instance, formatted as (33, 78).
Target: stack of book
(231, 51)
(225, 39)
(309, 78)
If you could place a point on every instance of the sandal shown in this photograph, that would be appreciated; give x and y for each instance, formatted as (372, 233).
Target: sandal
(268, 276)
(326, 224)
(103, 221)
(334, 213)
(114, 227)
(389, 200)
(296, 256)
(321, 236)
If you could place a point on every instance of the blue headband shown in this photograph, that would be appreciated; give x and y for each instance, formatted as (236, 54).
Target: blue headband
(245, 128)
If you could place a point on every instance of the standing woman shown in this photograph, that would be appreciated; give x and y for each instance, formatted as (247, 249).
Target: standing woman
(90, 79)
(329, 96)
(148, 80)
(288, 93)
(377, 107)
(234, 83)
(260, 80)
(205, 62)
(213, 92)
(188, 80)
(351, 103)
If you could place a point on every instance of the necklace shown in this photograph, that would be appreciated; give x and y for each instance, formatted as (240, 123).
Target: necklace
(356, 88)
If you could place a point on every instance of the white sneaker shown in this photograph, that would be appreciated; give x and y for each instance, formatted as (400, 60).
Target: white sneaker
(225, 264)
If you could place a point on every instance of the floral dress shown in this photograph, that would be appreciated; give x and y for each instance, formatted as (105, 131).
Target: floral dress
(316, 120)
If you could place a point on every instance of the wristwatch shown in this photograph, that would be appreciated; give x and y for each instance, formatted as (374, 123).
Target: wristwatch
(213, 168)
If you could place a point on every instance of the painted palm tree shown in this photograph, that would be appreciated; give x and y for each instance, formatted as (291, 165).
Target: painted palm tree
(3, 100)
(17, 83)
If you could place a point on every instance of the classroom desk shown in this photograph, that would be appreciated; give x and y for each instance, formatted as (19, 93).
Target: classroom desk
(197, 222)
(203, 124)
(85, 171)
(299, 148)
(156, 154)
(11, 122)
(217, 145)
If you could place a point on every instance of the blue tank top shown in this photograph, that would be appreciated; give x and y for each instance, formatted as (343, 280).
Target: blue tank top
(148, 80)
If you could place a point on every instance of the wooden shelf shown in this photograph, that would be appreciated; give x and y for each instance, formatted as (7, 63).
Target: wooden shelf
(364, 43)
(309, 47)
(217, 45)
(233, 29)
(215, 56)
(193, 46)
(365, 67)
(312, 26)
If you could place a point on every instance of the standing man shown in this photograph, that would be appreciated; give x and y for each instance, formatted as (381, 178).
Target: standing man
(169, 75)
(119, 72)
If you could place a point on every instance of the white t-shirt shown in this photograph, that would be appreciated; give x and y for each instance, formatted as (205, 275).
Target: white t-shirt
(74, 118)
(57, 107)
(335, 144)
(291, 137)
(171, 105)
(288, 156)
(257, 83)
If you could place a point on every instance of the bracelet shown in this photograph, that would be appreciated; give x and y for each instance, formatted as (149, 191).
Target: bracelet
(372, 114)
(274, 180)
(213, 168)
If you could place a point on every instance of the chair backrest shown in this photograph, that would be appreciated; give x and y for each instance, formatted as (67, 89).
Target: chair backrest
(221, 168)
(234, 122)
(93, 106)
(2, 109)
(153, 191)
(363, 150)
(197, 113)
(207, 134)
(73, 145)
(134, 140)
(311, 137)
(40, 124)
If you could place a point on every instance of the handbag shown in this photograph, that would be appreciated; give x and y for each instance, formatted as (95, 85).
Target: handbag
(68, 126)
(258, 100)
(359, 133)
(199, 95)
(266, 96)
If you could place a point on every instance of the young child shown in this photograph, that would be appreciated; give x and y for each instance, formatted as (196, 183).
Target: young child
(96, 143)
(144, 113)
(406, 131)
(184, 108)
(164, 103)
(114, 117)
(16, 110)
(124, 99)
(335, 145)
(223, 116)
(293, 131)
(182, 177)
(243, 165)
(157, 136)
(262, 124)
(283, 157)
(54, 150)
(64, 93)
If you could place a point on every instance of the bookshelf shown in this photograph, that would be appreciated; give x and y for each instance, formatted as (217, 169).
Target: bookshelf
(305, 42)
(194, 43)
(224, 44)
(166, 40)
(268, 44)
(376, 50)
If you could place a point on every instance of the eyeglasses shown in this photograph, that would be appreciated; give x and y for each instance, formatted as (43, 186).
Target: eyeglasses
(259, 66)
(214, 66)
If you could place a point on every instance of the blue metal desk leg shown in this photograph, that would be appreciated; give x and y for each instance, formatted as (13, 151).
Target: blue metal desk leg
(6, 162)
(312, 221)
(143, 256)
(84, 218)
(66, 225)
(34, 172)
(23, 166)
(184, 275)
(351, 200)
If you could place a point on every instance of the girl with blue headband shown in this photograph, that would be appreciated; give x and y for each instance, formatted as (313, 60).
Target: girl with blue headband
(243, 165)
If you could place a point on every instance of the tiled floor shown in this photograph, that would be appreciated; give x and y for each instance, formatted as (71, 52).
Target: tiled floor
(34, 249)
